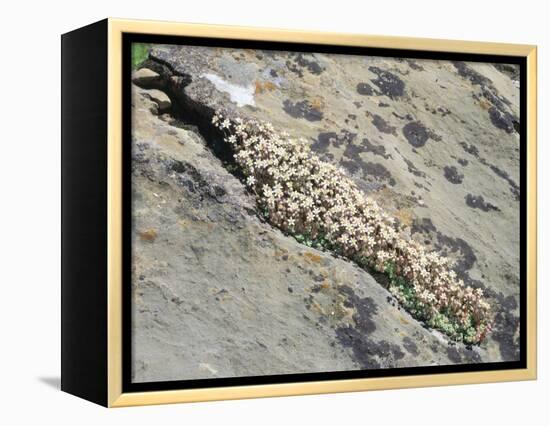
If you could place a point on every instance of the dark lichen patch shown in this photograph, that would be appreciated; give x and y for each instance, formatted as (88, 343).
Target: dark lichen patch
(326, 139)
(470, 356)
(492, 95)
(353, 151)
(452, 174)
(327, 157)
(293, 67)
(367, 352)
(490, 99)
(506, 334)
(510, 302)
(303, 109)
(462, 252)
(383, 105)
(350, 166)
(470, 149)
(364, 89)
(309, 63)
(478, 202)
(365, 309)
(440, 110)
(379, 150)
(503, 120)
(465, 71)
(407, 117)
(388, 83)
(370, 171)
(410, 346)
(382, 125)
(424, 226)
(434, 136)
(514, 187)
(463, 162)
(364, 354)
(506, 323)
(323, 141)
(139, 155)
(454, 355)
(498, 109)
(378, 170)
(218, 191)
(416, 134)
(510, 70)
(411, 168)
(188, 176)
(414, 65)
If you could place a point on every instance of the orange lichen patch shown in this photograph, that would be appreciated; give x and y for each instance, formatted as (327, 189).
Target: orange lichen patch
(317, 308)
(404, 216)
(258, 87)
(137, 297)
(261, 87)
(318, 104)
(325, 285)
(403, 321)
(279, 252)
(312, 257)
(484, 104)
(382, 194)
(148, 235)
(340, 313)
(398, 205)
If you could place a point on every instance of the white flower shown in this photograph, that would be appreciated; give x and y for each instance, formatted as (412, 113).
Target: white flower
(297, 184)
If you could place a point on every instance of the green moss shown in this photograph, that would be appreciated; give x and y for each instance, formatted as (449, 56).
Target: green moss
(443, 320)
(140, 52)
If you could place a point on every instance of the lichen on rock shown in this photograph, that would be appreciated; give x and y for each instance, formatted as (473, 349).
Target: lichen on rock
(220, 292)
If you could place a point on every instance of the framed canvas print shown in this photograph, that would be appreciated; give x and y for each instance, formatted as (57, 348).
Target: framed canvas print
(250, 212)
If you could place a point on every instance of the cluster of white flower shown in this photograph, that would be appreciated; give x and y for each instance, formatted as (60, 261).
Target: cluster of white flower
(305, 196)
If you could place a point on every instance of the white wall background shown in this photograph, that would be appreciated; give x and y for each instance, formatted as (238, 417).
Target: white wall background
(30, 200)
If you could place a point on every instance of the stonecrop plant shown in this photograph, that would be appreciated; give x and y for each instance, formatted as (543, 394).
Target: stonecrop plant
(321, 206)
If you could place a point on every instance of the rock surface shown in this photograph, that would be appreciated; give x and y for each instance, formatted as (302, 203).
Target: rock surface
(161, 100)
(219, 293)
(146, 77)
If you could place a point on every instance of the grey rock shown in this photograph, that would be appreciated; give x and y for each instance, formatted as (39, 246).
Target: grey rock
(146, 78)
(161, 100)
(220, 285)
(219, 293)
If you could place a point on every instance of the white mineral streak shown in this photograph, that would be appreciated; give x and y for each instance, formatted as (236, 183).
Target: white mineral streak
(240, 95)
